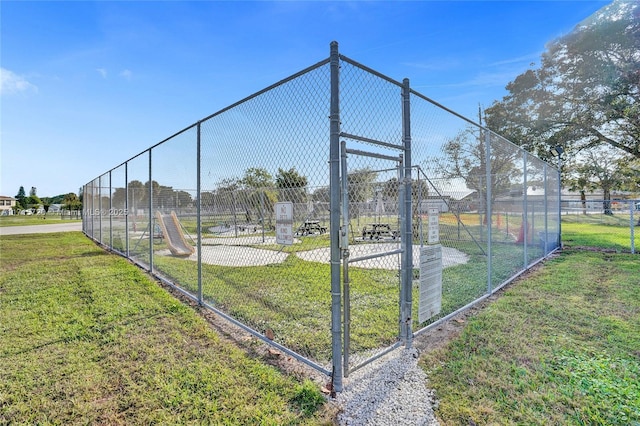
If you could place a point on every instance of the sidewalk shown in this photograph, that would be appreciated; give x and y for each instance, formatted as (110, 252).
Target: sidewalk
(40, 229)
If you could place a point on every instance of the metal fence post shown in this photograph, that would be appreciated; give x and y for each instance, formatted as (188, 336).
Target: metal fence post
(546, 210)
(199, 212)
(334, 216)
(407, 239)
(559, 151)
(110, 211)
(402, 308)
(99, 209)
(126, 207)
(631, 226)
(151, 226)
(489, 212)
(525, 213)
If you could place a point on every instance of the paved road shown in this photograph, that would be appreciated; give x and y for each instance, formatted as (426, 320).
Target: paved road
(39, 229)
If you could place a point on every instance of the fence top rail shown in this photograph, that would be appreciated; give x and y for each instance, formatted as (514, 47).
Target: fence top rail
(266, 89)
(302, 72)
(369, 70)
(227, 108)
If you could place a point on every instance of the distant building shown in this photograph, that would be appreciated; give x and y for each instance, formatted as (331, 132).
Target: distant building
(6, 205)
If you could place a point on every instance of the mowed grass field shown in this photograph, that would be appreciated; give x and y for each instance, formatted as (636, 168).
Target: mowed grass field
(560, 346)
(22, 220)
(88, 338)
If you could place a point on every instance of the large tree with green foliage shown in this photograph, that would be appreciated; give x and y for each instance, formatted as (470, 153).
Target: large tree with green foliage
(585, 93)
(465, 157)
(292, 185)
(71, 202)
(259, 192)
(598, 168)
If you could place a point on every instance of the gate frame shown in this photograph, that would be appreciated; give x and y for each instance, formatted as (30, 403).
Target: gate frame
(339, 231)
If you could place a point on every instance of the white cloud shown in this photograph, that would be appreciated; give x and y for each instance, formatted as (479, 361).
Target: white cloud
(530, 58)
(11, 83)
(126, 74)
(102, 71)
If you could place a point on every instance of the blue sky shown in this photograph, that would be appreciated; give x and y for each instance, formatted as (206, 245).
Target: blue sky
(88, 85)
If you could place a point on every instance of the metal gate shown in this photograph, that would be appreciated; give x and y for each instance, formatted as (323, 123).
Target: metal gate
(373, 218)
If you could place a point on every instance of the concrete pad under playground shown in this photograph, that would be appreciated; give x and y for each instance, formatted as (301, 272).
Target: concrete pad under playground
(229, 255)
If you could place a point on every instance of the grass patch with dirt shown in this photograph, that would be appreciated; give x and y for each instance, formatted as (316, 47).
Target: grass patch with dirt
(88, 338)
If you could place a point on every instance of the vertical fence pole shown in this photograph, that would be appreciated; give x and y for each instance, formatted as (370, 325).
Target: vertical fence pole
(151, 225)
(91, 210)
(489, 213)
(199, 212)
(99, 209)
(334, 216)
(126, 207)
(407, 238)
(546, 210)
(559, 197)
(631, 226)
(525, 212)
(110, 212)
(402, 308)
(82, 190)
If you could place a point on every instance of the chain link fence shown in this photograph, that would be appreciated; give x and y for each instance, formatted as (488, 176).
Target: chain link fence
(611, 224)
(307, 213)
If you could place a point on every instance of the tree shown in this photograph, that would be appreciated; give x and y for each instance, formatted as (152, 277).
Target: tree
(600, 168)
(361, 187)
(629, 169)
(183, 199)
(419, 189)
(118, 198)
(465, 158)
(32, 201)
(45, 205)
(20, 197)
(259, 192)
(292, 186)
(586, 92)
(580, 182)
(321, 194)
(71, 202)
(136, 193)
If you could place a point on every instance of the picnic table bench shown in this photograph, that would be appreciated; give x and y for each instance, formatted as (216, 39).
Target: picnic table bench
(379, 231)
(310, 227)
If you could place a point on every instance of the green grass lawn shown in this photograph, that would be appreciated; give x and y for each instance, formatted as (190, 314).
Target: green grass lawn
(88, 338)
(602, 231)
(560, 347)
(21, 220)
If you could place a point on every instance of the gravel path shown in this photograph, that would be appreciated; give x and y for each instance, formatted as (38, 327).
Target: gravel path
(390, 391)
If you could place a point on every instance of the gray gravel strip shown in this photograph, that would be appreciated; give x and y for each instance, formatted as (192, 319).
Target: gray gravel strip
(390, 391)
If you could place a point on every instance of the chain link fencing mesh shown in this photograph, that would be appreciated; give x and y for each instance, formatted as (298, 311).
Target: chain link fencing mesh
(199, 211)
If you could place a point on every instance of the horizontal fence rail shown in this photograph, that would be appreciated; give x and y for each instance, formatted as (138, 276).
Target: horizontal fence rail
(335, 214)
